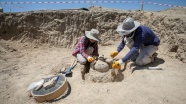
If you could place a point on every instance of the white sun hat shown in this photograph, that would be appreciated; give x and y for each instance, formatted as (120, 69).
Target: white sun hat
(93, 34)
(127, 26)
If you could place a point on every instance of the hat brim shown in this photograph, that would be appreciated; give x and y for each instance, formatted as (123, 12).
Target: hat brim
(120, 29)
(87, 34)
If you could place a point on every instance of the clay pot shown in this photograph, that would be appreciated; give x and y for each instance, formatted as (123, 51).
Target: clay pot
(101, 66)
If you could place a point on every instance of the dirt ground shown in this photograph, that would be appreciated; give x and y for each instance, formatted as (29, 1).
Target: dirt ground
(21, 65)
(23, 60)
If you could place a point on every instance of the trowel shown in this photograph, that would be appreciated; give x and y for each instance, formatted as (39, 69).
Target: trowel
(69, 69)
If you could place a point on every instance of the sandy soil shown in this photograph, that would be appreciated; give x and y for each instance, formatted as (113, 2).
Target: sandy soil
(22, 64)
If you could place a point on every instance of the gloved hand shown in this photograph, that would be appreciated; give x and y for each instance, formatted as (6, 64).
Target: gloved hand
(117, 64)
(113, 54)
(90, 59)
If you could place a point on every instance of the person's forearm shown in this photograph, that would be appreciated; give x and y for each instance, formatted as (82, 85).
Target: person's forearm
(121, 46)
(129, 54)
(84, 54)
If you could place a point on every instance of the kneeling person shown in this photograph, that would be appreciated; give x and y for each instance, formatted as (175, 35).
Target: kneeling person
(140, 39)
(86, 50)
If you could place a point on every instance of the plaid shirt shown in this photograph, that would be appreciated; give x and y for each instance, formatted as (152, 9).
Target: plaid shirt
(82, 45)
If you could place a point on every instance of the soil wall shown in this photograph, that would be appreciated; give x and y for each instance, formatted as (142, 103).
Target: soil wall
(62, 28)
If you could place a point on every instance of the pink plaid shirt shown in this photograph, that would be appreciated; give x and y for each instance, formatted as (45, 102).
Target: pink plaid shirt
(81, 47)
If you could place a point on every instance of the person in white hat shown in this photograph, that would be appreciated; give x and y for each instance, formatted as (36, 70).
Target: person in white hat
(86, 50)
(141, 41)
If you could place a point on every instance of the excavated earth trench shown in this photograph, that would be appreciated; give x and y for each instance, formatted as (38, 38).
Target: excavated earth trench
(62, 28)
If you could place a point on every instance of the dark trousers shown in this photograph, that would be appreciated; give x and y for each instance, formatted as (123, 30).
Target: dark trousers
(85, 70)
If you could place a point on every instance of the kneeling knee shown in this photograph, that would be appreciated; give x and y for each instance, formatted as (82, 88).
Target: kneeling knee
(143, 61)
(139, 62)
(83, 62)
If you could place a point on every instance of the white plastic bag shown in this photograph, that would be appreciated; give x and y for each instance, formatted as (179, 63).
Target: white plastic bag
(35, 84)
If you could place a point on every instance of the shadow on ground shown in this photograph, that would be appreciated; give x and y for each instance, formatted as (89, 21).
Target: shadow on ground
(157, 62)
(63, 95)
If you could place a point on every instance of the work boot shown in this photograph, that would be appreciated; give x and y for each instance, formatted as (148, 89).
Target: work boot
(154, 56)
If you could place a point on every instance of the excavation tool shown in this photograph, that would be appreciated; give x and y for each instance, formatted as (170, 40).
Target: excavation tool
(69, 70)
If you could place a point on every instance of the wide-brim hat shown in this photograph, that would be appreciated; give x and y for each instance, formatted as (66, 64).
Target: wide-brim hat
(127, 26)
(93, 34)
